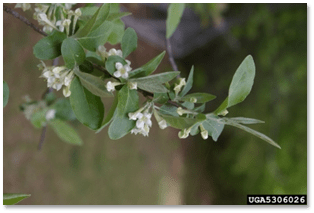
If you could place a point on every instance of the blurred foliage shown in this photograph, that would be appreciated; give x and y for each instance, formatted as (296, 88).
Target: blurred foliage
(209, 12)
(276, 36)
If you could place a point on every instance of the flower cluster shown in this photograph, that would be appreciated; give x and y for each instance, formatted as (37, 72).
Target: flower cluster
(24, 6)
(57, 76)
(122, 70)
(185, 132)
(179, 86)
(101, 51)
(143, 120)
(46, 16)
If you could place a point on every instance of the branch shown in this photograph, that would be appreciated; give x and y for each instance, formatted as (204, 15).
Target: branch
(26, 21)
(23, 19)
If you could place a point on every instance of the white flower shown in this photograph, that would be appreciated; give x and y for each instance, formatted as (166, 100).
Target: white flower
(101, 50)
(178, 87)
(122, 70)
(24, 6)
(50, 114)
(184, 133)
(204, 132)
(66, 91)
(43, 20)
(162, 124)
(78, 12)
(143, 122)
(113, 51)
(110, 86)
(144, 119)
(132, 85)
(60, 25)
(68, 78)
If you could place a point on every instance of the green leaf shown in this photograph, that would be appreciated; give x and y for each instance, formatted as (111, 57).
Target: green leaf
(65, 132)
(72, 53)
(11, 199)
(97, 37)
(88, 108)
(246, 120)
(175, 12)
(200, 97)
(87, 28)
(114, 16)
(213, 127)
(94, 84)
(63, 110)
(160, 98)
(169, 109)
(241, 84)
(189, 83)
(129, 42)
(153, 83)
(111, 61)
(102, 15)
(49, 47)
(110, 115)
(6, 93)
(87, 66)
(188, 105)
(181, 122)
(117, 32)
(200, 108)
(242, 81)
(252, 131)
(149, 67)
(38, 119)
(121, 125)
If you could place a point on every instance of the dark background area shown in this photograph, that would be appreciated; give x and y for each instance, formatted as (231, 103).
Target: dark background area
(161, 168)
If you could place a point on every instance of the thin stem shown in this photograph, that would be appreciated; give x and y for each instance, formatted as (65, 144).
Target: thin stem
(171, 59)
(23, 19)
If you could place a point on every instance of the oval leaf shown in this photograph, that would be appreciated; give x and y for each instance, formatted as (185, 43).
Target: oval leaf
(181, 122)
(121, 125)
(213, 127)
(49, 47)
(175, 12)
(117, 32)
(242, 81)
(153, 83)
(11, 199)
(94, 84)
(149, 67)
(97, 37)
(189, 83)
(6, 93)
(246, 120)
(200, 97)
(86, 29)
(88, 108)
(110, 115)
(65, 132)
(72, 53)
(129, 42)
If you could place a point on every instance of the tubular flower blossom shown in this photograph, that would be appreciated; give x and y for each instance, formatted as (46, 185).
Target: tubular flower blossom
(179, 86)
(122, 70)
(57, 77)
(204, 132)
(143, 122)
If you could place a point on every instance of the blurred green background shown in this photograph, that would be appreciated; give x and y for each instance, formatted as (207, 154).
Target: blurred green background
(161, 169)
